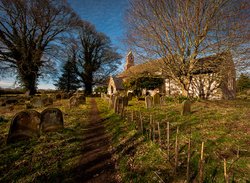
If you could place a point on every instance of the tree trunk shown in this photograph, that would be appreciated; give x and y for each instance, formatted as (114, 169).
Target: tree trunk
(28, 74)
(88, 88)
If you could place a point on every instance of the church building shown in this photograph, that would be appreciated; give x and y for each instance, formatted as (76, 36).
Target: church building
(214, 77)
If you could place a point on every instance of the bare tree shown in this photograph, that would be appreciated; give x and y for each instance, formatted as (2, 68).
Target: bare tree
(182, 31)
(29, 30)
(97, 58)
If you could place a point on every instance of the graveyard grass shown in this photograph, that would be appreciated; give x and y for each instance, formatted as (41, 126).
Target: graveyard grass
(49, 158)
(222, 125)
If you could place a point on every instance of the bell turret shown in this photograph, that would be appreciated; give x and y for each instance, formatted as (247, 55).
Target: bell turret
(129, 60)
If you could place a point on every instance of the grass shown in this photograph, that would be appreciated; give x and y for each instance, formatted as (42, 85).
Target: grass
(222, 125)
(51, 157)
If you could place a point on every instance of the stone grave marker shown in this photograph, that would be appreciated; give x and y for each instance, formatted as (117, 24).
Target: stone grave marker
(73, 102)
(157, 99)
(24, 125)
(58, 96)
(186, 107)
(111, 101)
(81, 99)
(37, 102)
(148, 102)
(51, 120)
(65, 96)
(47, 101)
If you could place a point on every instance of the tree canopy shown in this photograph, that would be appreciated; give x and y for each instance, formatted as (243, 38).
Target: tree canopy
(97, 58)
(69, 79)
(29, 31)
(182, 31)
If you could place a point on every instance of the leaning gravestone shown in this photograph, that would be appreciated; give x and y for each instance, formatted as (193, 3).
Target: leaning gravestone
(186, 107)
(148, 102)
(24, 125)
(51, 120)
(157, 99)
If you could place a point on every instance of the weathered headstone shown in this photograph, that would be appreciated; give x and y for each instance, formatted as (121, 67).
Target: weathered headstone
(111, 101)
(58, 96)
(157, 99)
(51, 120)
(47, 101)
(163, 101)
(73, 102)
(24, 125)
(37, 102)
(117, 104)
(130, 96)
(81, 99)
(148, 102)
(186, 107)
(65, 96)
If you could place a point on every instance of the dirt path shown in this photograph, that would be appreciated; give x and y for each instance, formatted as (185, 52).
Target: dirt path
(96, 164)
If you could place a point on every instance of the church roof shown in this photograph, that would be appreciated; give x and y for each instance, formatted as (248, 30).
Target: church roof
(118, 83)
(147, 68)
(204, 65)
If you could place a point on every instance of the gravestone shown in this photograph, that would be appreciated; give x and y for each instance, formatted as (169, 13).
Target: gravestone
(117, 104)
(148, 102)
(51, 120)
(70, 94)
(157, 99)
(47, 101)
(130, 96)
(24, 125)
(65, 96)
(58, 96)
(163, 101)
(73, 102)
(186, 107)
(120, 105)
(81, 99)
(37, 102)
(111, 101)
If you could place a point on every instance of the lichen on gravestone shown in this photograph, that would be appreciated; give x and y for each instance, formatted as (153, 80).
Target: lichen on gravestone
(52, 120)
(24, 125)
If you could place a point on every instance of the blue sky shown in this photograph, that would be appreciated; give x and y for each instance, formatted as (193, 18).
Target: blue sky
(106, 15)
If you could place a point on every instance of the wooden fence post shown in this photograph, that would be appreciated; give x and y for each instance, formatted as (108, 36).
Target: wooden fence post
(159, 132)
(176, 149)
(201, 163)
(168, 144)
(188, 158)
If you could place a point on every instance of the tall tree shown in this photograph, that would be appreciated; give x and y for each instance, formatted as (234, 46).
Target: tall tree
(97, 58)
(69, 80)
(29, 30)
(181, 31)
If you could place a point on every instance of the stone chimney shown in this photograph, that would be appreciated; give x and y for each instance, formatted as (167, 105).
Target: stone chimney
(129, 60)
